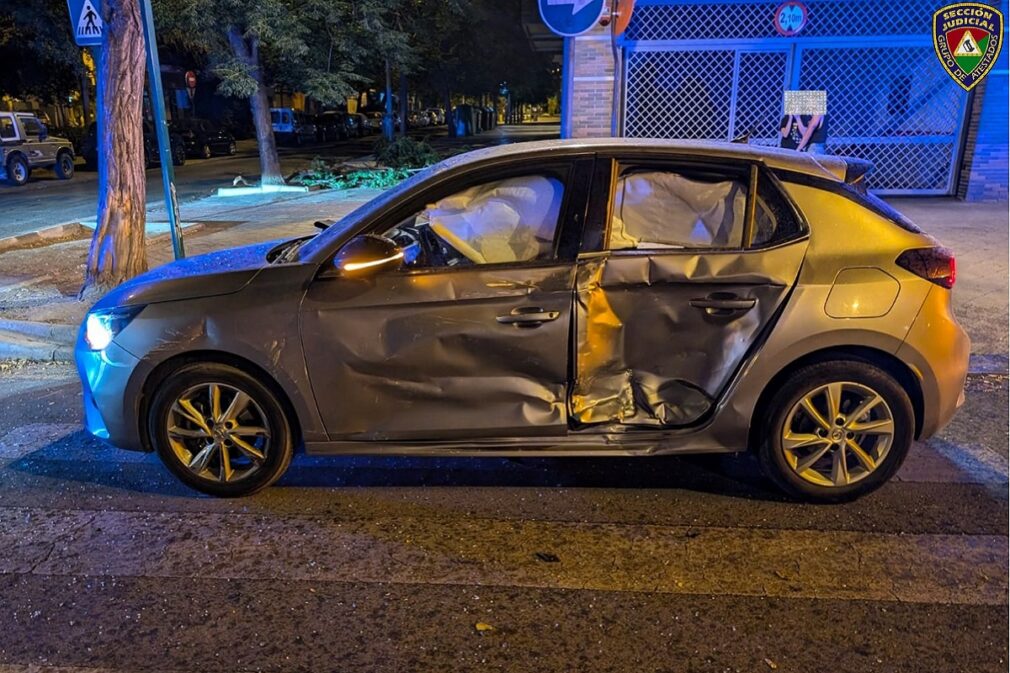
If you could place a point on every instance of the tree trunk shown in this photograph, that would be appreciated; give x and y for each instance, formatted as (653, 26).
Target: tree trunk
(247, 51)
(387, 120)
(403, 104)
(117, 248)
(450, 118)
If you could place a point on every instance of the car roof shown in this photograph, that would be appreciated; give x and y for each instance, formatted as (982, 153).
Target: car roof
(818, 165)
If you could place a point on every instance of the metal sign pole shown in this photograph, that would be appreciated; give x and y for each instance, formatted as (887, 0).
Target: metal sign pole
(161, 128)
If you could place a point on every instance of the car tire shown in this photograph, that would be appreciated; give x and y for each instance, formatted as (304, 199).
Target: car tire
(232, 148)
(178, 155)
(64, 166)
(205, 152)
(851, 463)
(18, 170)
(190, 458)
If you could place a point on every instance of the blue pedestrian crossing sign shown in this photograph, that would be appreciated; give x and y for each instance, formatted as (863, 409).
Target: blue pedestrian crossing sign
(571, 17)
(86, 22)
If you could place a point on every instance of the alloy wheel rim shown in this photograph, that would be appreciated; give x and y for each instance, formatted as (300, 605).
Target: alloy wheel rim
(19, 172)
(837, 434)
(218, 432)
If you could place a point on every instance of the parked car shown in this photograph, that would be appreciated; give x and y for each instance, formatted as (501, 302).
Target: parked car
(202, 138)
(418, 119)
(437, 114)
(631, 297)
(25, 145)
(89, 147)
(292, 127)
(331, 125)
(357, 124)
(374, 121)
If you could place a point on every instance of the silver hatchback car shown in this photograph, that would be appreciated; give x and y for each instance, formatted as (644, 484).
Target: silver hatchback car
(594, 298)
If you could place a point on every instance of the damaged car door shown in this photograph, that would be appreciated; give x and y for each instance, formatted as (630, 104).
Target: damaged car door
(467, 336)
(688, 268)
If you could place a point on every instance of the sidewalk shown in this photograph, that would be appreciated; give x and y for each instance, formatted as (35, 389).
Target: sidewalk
(39, 286)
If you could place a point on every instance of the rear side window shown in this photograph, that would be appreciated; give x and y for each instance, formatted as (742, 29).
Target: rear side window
(32, 127)
(701, 208)
(775, 220)
(668, 209)
(7, 128)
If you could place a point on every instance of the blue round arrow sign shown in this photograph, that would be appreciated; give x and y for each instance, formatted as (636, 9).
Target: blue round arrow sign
(571, 17)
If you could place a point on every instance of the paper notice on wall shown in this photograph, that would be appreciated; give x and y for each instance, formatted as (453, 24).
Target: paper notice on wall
(806, 102)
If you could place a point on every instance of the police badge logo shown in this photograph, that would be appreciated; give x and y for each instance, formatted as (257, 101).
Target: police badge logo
(967, 37)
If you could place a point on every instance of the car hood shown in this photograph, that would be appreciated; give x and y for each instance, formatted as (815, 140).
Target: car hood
(209, 275)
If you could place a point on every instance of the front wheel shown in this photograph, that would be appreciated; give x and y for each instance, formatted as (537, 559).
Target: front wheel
(205, 152)
(836, 431)
(220, 430)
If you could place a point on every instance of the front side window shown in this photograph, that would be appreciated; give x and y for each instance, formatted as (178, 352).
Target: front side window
(507, 221)
(32, 126)
(670, 209)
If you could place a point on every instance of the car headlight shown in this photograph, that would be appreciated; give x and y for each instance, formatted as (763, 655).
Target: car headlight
(101, 327)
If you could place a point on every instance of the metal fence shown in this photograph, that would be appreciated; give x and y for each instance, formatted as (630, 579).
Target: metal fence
(718, 71)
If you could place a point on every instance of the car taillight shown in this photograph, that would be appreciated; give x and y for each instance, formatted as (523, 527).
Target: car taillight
(936, 264)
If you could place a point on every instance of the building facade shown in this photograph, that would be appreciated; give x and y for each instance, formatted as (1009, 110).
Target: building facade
(717, 69)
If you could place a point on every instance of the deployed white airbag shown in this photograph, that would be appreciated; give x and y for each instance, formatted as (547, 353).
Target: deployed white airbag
(510, 220)
(659, 209)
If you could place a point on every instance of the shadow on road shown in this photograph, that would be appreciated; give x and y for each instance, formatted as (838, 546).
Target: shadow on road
(104, 466)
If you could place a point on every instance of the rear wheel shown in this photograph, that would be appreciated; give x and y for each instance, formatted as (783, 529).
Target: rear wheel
(220, 430)
(836, 431)
(205, 152)
(18, 171)
(64, 166)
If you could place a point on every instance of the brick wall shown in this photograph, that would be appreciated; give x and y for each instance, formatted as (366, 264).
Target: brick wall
(592, 84)
(984, 167)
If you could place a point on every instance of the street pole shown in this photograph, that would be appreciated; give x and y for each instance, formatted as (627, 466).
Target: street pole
(161, 129)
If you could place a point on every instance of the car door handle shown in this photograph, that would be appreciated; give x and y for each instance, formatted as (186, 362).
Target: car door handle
(724, 303)
(528, 316)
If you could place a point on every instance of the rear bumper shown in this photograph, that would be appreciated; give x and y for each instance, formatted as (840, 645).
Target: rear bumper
(937, 349)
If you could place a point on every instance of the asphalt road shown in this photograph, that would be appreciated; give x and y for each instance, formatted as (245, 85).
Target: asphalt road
(46, 200)
(389, 564)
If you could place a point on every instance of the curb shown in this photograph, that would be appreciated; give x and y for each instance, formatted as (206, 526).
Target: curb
(44, 352)
(54, 232)
(57, 333)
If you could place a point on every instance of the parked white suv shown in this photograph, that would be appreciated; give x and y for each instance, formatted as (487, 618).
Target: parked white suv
(25, 144)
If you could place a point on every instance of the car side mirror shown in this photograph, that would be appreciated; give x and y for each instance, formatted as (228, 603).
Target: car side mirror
(366, 255)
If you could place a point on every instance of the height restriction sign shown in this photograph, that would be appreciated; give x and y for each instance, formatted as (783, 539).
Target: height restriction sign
(86, 22)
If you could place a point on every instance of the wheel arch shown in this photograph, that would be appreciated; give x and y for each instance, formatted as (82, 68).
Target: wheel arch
(893, 366)
(164, 369)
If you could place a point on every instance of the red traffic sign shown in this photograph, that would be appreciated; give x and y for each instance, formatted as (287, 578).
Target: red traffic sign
(190, 79)
(791, 18)
(622, 15)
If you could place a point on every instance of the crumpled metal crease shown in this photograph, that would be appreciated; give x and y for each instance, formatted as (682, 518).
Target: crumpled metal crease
(644, 355)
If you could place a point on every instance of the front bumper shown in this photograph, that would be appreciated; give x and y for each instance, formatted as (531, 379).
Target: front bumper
(110, 403)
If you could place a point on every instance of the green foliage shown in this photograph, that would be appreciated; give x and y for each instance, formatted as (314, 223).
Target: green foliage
(336, 177)
(404, 152)
(37, 50)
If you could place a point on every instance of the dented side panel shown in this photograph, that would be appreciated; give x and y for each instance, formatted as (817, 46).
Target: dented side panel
(423, 355)
(650, 349)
